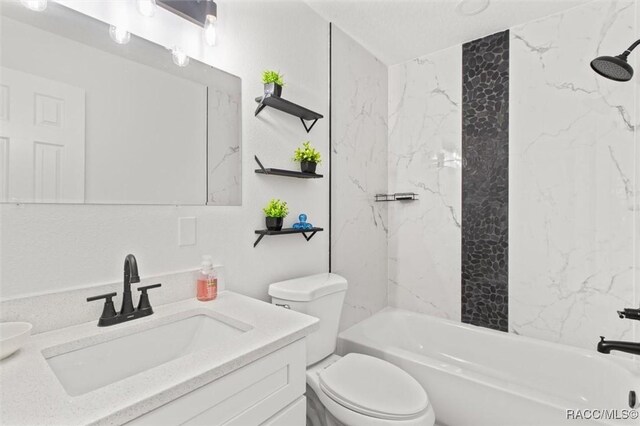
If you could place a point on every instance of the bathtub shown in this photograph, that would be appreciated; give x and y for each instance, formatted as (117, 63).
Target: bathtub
(476, 376)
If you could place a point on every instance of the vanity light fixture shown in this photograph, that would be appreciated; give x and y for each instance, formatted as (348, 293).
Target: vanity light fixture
(146, 7)
(36, 5)
(201, 12)
(119, 35)
(179, 57)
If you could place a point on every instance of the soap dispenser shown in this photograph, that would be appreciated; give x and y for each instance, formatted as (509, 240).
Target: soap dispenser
(207, 284)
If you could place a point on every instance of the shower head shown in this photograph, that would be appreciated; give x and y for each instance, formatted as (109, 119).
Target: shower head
(615, 67)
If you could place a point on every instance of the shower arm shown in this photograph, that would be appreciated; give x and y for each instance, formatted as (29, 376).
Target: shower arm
(630, 49)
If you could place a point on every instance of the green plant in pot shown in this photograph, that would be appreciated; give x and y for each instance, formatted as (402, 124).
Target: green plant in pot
(273, 83)
(275, 212)
(308, 157)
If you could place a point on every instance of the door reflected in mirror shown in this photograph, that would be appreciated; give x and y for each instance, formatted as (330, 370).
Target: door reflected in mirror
(84, 119)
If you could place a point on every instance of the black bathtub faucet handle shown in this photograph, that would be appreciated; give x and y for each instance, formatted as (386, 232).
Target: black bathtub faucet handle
(629, 313)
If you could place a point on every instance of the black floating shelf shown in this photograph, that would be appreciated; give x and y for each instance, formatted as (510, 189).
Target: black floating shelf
(283, 172)
(290, 108)
(284, 231)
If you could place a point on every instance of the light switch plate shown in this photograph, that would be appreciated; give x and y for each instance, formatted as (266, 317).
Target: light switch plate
(187, 231)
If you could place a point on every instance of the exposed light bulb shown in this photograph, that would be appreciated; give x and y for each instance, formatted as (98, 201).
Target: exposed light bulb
(146, 7)
(37, 5)
(179, 57)
(210, 30)
(119, 35)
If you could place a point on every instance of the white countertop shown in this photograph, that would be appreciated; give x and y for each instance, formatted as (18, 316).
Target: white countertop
(30, 393)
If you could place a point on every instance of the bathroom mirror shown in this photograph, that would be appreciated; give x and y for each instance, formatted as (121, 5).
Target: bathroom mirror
(86, 120)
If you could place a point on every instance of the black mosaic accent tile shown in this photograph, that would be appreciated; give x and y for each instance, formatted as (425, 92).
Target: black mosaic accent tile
(485, 181)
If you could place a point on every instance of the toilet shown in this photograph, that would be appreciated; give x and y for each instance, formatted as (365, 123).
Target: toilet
(357, 389)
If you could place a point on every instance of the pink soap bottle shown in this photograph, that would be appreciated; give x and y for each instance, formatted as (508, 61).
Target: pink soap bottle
(207, 285)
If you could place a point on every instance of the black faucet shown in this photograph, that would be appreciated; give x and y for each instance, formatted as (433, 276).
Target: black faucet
(629, 313)
(130, 276)
(606, 347)
(127, 312)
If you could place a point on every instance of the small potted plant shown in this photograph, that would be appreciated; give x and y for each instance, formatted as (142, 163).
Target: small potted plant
(272, 83)
(308, 157)
(275, 212)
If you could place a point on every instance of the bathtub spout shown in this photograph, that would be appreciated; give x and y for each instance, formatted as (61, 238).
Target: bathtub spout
(606, 347)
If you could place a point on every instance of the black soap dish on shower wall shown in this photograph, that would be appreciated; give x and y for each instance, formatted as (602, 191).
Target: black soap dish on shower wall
(398, 196)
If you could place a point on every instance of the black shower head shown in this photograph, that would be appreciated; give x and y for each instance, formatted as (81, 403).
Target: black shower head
(613, 67)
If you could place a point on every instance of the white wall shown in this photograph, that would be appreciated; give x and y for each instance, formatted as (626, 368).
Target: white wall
(571, 178)
(636, 223)
(49, 247)
(574, 185)
(425, 148)
(359, 172)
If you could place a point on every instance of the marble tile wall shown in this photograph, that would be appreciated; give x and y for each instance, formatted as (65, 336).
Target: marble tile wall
(574, 180)
(359, 172)
(636, 208)
(224, 174)
(572, 167)
(425, 98)
(485, 181)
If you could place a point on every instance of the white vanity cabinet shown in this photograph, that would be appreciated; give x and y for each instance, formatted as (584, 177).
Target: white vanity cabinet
(268, 391)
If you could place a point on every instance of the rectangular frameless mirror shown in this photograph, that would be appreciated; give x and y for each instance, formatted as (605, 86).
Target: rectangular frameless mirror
(86, 120)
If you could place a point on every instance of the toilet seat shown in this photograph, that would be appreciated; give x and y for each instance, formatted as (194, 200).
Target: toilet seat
(373, 387)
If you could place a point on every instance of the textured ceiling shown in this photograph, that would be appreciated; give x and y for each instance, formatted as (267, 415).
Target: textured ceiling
(399, 30)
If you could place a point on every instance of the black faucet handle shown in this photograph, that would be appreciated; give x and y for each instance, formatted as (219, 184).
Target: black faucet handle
(148, 287)
(629, 313)
(109, 311)
(107, 296)
(144, 303)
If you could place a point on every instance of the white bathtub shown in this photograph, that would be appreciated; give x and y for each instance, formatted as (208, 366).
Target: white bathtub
(475, 376)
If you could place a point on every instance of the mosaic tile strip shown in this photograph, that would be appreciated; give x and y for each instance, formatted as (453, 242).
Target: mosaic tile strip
(485, 181)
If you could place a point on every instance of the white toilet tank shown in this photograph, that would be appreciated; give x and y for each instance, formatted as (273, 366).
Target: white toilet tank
(320, 296)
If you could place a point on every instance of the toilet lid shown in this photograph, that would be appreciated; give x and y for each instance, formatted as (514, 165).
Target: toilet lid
(373, 387)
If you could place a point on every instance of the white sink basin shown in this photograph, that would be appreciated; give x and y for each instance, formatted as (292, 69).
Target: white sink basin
(98, 365)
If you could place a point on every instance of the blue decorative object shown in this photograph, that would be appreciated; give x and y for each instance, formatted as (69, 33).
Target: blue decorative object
(303, 224)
